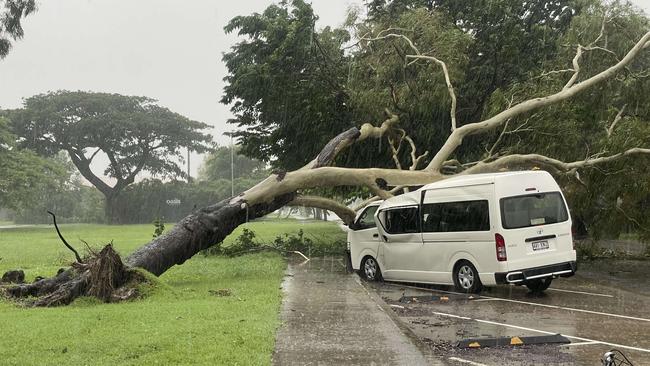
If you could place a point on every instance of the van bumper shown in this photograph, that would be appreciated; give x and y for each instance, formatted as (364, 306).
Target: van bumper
(566, 269)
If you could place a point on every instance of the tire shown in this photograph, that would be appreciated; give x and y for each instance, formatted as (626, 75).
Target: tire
(466, 278)
(539, 285)
(370, 269)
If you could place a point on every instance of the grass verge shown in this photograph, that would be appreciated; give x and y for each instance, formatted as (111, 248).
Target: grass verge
(183, 321)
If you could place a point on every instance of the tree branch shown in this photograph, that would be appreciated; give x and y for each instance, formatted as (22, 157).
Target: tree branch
(345, 139)
(76, 254)
(618, 117)
(419, 56)
(345, 213)
(90, 159)
(415, 160)
(514, 160)
(456, 137)
(84, 168)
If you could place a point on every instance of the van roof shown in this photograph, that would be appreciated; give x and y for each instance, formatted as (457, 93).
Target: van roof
(413, 198)
(485, 178)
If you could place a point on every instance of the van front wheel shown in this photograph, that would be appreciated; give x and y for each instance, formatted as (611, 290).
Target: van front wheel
(466, 278)
(539, 285)
(370, 269)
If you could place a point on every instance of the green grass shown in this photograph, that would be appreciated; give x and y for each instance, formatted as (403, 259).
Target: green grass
(180, 323)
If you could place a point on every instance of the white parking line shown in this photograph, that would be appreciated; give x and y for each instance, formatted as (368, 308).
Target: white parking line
(466, 361)
(546, 332)
(580, 292)
(570, 309)
(580, 343)
(481, 300)
(527, 303)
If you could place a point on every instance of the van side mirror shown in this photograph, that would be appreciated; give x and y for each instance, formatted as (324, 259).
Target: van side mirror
(354, 226)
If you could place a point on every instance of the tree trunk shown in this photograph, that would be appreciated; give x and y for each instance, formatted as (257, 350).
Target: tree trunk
(112, 209)
(109, 209)
(198, 231)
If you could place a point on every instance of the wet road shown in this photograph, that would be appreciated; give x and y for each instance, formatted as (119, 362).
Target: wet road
(330, 318)
(606, 306)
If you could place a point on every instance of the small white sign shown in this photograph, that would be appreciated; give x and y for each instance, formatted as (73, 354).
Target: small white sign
(174, 202)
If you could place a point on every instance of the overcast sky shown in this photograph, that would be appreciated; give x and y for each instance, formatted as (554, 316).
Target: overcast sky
(169, 50)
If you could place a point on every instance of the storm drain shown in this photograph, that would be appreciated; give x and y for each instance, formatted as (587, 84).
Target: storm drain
(511, 341)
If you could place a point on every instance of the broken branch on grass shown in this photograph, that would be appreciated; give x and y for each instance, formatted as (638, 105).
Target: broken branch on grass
(63, 239)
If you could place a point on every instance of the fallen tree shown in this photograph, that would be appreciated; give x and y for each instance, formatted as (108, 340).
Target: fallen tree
(104, 273)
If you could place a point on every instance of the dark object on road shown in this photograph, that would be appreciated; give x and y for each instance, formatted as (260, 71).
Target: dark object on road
(425, 298)
(511, 341)
(611, 359)
(15, 276)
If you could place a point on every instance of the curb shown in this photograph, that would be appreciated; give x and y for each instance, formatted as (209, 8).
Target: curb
(383, 306)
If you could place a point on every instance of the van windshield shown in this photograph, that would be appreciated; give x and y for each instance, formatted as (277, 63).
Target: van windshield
(533, 210)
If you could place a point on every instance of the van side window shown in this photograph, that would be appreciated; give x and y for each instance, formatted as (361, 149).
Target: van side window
(402, 220)
(455, 216)
(533, 210)
(367, 218)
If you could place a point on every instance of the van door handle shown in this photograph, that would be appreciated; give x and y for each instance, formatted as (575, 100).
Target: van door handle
(375, 235)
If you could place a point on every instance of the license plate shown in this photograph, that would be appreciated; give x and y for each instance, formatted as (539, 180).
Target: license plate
(540, 245)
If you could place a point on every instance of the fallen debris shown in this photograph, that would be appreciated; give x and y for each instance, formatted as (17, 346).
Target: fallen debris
(221, 292)
(511, 341)
(14, 276)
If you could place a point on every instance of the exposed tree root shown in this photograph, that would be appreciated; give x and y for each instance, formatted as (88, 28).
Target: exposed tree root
(102, 275)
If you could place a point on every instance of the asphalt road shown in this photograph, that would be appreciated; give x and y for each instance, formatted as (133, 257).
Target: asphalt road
(605, 306)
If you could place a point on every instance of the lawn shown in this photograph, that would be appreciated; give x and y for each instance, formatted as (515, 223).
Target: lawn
(182, 322)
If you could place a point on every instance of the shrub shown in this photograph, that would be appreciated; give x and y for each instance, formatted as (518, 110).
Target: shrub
(285, 243)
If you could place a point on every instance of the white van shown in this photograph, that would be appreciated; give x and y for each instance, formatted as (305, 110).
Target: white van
(469, 231)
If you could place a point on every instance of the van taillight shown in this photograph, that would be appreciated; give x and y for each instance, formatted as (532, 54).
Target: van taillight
(501, 248)
(573, 235)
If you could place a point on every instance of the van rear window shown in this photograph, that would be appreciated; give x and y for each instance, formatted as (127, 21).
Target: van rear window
(533, 210)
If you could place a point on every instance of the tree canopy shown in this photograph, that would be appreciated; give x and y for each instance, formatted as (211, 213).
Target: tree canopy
(496, 53)
(136, 135)
(11, 14)
(23, 173)
(285, 79)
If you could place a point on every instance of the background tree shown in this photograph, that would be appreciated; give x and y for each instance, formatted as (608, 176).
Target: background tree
(11, 14)
(23, 173)
(67, 196)
(218, 165)
(284, 79)
(134, 133)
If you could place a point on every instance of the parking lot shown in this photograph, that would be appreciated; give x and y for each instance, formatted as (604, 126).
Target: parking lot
(605, 306)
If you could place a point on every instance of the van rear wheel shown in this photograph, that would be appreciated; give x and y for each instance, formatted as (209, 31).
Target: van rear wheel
(370, 269)
(539, 284)
(466, 278)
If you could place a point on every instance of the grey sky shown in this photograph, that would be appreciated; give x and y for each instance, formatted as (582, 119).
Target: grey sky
(166, 49)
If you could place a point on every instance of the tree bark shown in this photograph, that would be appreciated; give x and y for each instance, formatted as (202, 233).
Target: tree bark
(199, 231)
(109, 210)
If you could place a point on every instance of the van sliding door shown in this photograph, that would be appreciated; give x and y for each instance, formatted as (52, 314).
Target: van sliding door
(456, 225)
